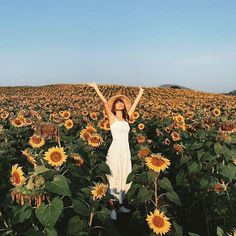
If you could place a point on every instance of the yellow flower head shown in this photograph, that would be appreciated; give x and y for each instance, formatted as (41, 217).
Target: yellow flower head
(157, 163)
(17, 177)
(36, 141)
(99, 190)
(158, 222)
(55, 156)
(69, 123)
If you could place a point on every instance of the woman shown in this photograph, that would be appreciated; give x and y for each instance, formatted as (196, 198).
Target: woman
(119, 109)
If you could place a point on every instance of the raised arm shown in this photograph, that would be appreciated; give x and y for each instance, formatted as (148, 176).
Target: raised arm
(136, 101)
(107, 107)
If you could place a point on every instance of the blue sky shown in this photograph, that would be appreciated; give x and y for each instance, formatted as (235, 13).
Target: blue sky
(129, 42)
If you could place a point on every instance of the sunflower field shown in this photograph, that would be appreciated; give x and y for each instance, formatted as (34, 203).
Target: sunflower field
(53, 145)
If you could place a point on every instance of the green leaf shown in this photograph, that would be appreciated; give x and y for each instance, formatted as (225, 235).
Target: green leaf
(80, 208)
(21, 213)
(76, 226)
(130, 177)
(143, 194)
(181, 179)
(59, 185)
(178, 229)
(208, 157)
(193, 234)
(51, 232)
(173, 196)
(196, 146)
(104, 215)
(218, 149)
(184, 159)
(228, 171)
(194, 167)
(40, 169)
(151, 175)
(220, 232)
(165, 184)
(49, 214)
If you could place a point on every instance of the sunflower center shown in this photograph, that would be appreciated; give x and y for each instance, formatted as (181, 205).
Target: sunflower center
(18, 122)
(158, 221)
(36, 140)
(56, 156)
(16, 177)
(157, 162)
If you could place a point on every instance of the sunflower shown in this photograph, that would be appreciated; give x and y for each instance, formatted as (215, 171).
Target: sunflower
(141, 139)
(178, 148)
(93, 115)
(144, 152)
(132, 120)
(167, 129)
(220, 187)
(55, 156)
(17, 122)
(141, 126)
(157, 163)
(216, 112)
(36, 141)
(69, 123)
(79, 161)
(90, 128)
(175, 136)
(65, 114)
(17, 177)
(135, 115)
(84, 134)
(179, 119)
(84, 113)
(158, 222)
(30, 158)
(166, 141)
(95, 140)
(106, 125)
(99, 190)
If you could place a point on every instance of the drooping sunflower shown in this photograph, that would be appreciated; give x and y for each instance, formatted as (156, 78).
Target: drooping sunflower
(99, 190)
(17, 176)
(79, 161)
(157, 162)
(158, 222)
(29, 157)
(69, 123)
(36, 141)
(95, 140)
(55, 156)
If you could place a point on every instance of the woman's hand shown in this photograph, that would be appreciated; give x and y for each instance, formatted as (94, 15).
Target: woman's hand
(92, 84)
(141, 89)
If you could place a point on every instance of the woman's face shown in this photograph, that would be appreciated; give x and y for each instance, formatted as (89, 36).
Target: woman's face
(119, 105)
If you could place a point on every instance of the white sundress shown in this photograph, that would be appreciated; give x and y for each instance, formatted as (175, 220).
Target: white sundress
(119, 159)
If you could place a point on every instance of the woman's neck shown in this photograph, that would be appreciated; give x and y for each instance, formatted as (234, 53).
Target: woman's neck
(119, 114)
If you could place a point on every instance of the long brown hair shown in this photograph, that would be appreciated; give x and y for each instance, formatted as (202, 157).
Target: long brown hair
(125, 114)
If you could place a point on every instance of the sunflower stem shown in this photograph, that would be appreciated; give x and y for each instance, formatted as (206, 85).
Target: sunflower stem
(91, 218)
